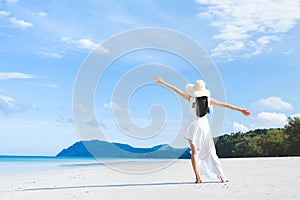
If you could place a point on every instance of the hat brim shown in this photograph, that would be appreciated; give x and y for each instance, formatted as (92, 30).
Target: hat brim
(193, 93)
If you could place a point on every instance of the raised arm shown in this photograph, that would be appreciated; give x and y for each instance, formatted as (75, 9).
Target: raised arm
(159, 80)
(245, 111)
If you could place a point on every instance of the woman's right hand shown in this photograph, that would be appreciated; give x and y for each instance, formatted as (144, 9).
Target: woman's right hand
(245, 111)
(158, 79)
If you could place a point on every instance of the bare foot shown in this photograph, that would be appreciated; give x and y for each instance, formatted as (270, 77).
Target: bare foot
(198, 180)
(224, 179)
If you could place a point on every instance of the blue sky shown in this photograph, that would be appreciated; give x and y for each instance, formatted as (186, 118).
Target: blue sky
(43, 44)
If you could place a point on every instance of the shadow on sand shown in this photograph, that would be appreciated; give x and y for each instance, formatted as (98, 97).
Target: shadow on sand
(118, 185)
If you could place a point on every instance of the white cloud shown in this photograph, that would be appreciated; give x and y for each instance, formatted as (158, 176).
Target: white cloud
(114, 106)
(4, 13)
(42, 14)
(85, 43)
(239, 127)
(92, 123)
(269, 120)
(50, 85)
(248, 27)
(7, 101)
(16, 75)
(12, 1)
(296, 115)
(274, 103)
(265, 40)
(8, 105)
(261, 44)
(228, 46)
(63, 120)
(20, 22)
(81, 108)
(47, 54)
(66, 39)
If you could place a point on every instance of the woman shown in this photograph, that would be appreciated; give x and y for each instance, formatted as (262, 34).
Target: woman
(198, 131)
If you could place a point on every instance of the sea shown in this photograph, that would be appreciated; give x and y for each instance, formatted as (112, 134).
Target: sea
(11, 165)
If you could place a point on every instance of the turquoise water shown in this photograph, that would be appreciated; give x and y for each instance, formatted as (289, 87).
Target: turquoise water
(18, 164)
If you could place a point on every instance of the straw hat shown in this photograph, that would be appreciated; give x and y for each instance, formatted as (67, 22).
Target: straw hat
(198, 89)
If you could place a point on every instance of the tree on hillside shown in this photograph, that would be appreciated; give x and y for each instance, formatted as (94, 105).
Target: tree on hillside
(224, 146)
(274, 143)
(292, 131)
(262, 142)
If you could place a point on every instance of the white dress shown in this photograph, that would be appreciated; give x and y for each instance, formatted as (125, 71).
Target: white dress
(198, 131)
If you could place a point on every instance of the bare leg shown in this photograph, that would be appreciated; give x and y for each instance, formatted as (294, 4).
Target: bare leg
(194, 162)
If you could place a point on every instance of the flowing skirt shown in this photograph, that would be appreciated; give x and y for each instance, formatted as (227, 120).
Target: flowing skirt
(198, 132)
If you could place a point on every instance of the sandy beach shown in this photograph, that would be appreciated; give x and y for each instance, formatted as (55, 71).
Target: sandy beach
(251, 178)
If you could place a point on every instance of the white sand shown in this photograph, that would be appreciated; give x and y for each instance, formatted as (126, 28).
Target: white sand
(251, 178)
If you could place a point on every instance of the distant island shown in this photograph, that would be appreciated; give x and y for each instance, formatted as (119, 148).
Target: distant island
(104, 149)
(256, 143)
